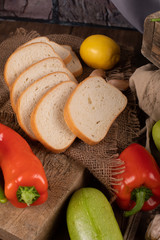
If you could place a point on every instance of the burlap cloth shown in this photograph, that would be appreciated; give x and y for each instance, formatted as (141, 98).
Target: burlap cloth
(145, 83)
(98, 159)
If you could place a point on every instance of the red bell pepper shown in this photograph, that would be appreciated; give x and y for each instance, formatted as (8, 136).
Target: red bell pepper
(139, 187)
(25, 182)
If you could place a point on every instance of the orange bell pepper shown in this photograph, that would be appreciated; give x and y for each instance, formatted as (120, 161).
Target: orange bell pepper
(25, 182)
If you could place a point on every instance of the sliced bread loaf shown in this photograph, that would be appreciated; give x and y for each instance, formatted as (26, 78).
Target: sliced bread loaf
(25, 57)
(31, 95)
(33, 73)
(47, 120)
(59, 49)
(92, 108)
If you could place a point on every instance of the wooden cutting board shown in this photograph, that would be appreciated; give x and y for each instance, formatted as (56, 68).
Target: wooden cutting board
(37, 223)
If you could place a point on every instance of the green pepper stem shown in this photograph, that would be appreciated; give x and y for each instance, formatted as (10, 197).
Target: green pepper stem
(27, 195)
(3, 199)
(140, 196)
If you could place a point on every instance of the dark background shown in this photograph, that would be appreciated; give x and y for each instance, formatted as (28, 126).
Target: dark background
(69, 12)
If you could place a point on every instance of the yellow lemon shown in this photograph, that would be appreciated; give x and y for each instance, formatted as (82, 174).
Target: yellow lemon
(100, 51)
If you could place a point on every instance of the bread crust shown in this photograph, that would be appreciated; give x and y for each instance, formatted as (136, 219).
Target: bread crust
(78, 72)
(67, 59)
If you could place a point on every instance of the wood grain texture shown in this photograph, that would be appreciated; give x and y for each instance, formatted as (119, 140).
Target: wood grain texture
(37, 223)
(150, 44)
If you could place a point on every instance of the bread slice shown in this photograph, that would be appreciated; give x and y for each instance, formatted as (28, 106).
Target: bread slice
(33, 73)
(74, 65)
(67, 47)
(30, 97)
(59, 49)
(25, 57)
(92, 108)
(47, 120)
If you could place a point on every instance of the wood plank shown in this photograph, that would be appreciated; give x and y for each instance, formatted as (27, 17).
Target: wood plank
(151, 36)
(130, 38)
(7, 27)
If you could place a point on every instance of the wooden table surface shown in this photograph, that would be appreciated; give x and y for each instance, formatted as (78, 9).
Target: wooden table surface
(130, 38)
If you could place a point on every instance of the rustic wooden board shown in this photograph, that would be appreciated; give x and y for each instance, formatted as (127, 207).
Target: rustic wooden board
(37, 223)
(151, 39)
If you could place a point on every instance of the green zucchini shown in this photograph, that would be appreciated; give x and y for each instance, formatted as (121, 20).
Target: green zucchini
(91, 217)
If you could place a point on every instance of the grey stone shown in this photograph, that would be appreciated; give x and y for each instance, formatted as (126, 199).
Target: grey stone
(95, 12)
(92, 12)
(41, 9)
